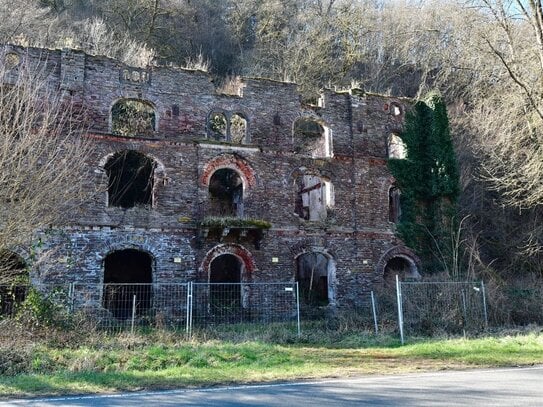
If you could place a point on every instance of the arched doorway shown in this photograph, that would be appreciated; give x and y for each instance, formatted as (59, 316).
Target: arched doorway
(226, 193)
(314, 277)
(127, 277)
(225, 285)
(14, 282)
(402, 267)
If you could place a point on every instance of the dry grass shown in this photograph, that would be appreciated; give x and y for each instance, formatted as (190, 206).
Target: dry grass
(54, 362)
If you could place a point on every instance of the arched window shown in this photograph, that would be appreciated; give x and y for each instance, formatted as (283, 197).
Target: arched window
(396, 147)
(311, 138)
(226, 193)
(130, 179)
(133, 117)
(218, 126)
(227, 127)
(238, 129)
(127, 281)
(315, 196)
(394, 205)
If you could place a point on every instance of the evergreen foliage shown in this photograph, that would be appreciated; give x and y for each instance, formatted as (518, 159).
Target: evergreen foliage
(428, 179)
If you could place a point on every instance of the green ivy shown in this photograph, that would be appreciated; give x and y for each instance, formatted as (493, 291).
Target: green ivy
(428, 180)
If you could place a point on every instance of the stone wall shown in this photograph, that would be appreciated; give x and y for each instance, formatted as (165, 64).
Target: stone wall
(356, 234)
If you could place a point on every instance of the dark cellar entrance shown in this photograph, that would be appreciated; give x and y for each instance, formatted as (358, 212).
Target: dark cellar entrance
(127, 273)
(225, 287)
(397, 266)
(14, 269)
(312, 277)
(226, 193)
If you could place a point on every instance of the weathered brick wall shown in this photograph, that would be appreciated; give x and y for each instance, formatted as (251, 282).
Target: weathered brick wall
(356, 235)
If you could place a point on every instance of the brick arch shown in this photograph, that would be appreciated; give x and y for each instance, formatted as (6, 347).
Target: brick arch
(401, 252)
(311, 245)
(233, 162)
(237, 250)
(111, 247)
(159, 169)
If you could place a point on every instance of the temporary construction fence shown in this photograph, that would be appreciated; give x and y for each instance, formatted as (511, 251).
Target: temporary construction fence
(415, 308)
(429, 308)
(180, 307)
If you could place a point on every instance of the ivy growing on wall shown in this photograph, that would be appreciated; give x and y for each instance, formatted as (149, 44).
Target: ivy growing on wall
(429, 181)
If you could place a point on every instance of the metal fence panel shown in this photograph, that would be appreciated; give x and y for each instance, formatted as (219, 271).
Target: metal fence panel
(180, 307)
(430, 308)
(241, 303)
(130, 306)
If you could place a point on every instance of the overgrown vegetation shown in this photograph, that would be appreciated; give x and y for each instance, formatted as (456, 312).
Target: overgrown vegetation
(94, 362)
(234, 222)
(429, 184)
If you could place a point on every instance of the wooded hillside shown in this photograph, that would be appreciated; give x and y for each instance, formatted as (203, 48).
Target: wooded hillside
(485, 57)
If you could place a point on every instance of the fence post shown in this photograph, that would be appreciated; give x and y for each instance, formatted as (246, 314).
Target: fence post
(400, 308)
(374, 312)
(187, 311)
(190, 305)
(71, 295)
(298, 309)
(485, 313)
(464, 311)
(133, 314)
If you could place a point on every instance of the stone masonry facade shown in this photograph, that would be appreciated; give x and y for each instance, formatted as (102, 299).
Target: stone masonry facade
(343, 213)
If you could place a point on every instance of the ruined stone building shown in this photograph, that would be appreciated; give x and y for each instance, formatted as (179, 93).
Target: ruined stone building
(195, 185)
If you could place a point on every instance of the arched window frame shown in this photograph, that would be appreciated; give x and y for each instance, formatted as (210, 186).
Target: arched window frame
(229, 116)
(151, 105)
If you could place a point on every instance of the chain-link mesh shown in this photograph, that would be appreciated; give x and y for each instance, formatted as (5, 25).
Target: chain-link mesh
(430, 308)
(228, 303)
(130, 306)
(117, 307)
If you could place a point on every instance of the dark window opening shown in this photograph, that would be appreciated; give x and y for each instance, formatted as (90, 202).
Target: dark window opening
(175, 111)
(130, 117)
(400, 267)
(127, 277)
(130, 177)
(394, 205)
(226, 193)
(312, 278)
(225, 287)
(218, 126)
(14, 283)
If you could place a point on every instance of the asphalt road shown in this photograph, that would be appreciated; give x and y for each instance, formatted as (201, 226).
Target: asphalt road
(495, 387)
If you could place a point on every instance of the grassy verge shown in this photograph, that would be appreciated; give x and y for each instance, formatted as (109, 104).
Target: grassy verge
(160, 361)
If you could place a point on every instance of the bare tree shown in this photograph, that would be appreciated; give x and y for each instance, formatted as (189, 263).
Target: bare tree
(42, 156)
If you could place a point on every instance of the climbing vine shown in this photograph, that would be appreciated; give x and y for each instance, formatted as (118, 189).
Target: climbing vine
(429, 181)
